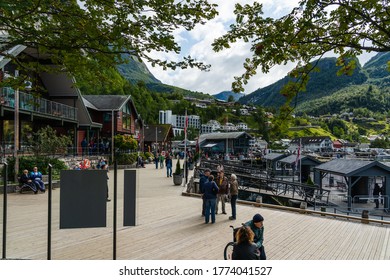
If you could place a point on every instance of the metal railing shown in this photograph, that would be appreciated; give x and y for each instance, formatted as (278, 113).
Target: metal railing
(28, 102)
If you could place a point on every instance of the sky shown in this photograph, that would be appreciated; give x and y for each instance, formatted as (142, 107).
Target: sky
(226, 64)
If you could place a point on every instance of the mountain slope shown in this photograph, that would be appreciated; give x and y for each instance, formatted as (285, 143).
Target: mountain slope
(224, 95)
(135, 71)
(376, 67)
(322, 83)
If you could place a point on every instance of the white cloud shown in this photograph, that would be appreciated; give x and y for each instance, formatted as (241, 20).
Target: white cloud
(226, 64)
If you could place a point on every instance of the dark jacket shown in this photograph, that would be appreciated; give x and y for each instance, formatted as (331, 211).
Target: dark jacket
(168, 161)
(25, 179)
(245, 251)
(203, 179)
(210, 190)
(223, 185)
(259, 233)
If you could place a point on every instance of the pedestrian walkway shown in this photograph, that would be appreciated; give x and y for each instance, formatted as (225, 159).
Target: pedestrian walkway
(170, 227)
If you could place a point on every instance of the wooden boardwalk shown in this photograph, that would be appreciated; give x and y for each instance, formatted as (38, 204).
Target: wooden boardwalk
(170, 227)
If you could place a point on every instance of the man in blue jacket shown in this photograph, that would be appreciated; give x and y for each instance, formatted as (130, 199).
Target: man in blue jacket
(203, 179)
(256, 225)
(210, 196)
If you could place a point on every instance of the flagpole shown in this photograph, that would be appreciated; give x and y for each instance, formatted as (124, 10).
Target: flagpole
(185, 148)
(300, 161)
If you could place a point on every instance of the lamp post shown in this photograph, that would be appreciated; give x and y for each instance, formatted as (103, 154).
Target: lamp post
(156, 140)
(112, 135)
(16, 127)
(143, 137)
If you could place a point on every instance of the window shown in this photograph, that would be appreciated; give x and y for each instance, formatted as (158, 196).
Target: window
(126, 118)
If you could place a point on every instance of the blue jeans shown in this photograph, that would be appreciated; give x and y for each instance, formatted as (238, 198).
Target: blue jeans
(210, 210)
(39, 184)
(169, 171)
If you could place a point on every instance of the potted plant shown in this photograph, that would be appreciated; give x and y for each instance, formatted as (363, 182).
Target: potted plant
(177, 175)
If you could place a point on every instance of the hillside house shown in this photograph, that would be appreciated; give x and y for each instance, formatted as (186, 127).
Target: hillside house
(312, 144)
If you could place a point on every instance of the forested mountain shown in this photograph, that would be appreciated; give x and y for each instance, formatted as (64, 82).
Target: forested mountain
(136, 72)
(320, 84)
(328, 93)
(378, 70)
(224, 95)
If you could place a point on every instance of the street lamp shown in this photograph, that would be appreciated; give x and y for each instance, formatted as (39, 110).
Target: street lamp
(156, 139)
(143, 137)
(16, 127)
(112, 135)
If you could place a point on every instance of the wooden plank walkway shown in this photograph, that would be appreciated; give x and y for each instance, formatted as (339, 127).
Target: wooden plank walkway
(170, 227)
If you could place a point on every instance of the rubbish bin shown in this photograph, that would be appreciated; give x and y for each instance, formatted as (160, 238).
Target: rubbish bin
(323, 209)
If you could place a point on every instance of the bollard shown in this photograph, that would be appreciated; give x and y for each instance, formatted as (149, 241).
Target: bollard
(303, 207)
(365, 216)
(323, 209)
(259, 199)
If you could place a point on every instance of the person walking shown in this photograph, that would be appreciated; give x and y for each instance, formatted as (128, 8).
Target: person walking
(256, 225)
(161, 159)
(168, 164)
(203, 179)
(245, 248)
(156, 160)
(233, 193)
(210, 195)
(223, 186)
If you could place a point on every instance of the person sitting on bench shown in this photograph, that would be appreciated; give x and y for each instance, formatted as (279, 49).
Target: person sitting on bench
(36, 177)
(26, 180)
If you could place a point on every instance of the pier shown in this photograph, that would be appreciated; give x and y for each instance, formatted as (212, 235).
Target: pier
(170, 227)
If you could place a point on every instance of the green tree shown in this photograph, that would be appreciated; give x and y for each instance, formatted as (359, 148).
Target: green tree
(46, 142)
(380, 143)
(306, 34)
(94, 35)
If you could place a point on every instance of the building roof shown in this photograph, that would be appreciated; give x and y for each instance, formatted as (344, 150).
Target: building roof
(223, 135)
(350, 167)
(274, 156)
(14, 51)
(106, 102)
(162, 132)
(292, 158)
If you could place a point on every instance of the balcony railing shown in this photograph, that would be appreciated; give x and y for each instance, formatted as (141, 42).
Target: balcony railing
(31, 103)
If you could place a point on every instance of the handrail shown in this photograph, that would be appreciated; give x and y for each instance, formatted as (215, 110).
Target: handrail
(302, 211)
(28, 102)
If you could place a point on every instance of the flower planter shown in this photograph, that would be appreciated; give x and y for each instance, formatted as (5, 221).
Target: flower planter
(177, 179)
